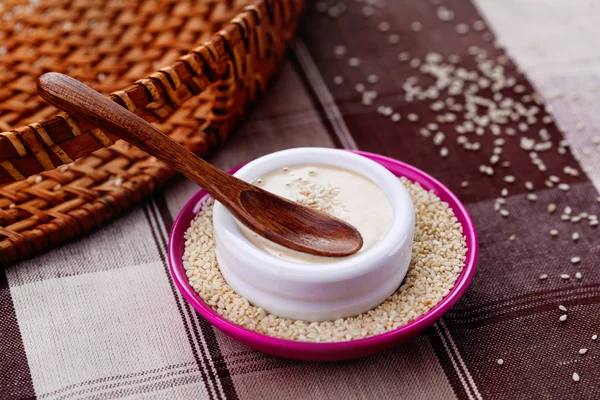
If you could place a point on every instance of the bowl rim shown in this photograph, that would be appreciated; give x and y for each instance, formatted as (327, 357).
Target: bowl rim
(340, 270)
(192, 206)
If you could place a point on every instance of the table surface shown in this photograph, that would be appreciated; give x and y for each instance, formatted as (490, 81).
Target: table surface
(101, 317)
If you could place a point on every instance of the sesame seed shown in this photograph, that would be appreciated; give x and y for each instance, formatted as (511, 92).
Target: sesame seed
(543, 277)
(372, 78)
(509, 179)
(462, 29)
(562, 308)
(504, 192)
(354, 61)
(339, 50)
(565, 276)
(118, 182)
(531, 196)
(583, 351)
(551, 208)
(575, 376)
(563, 318)
(58, 186)
(575, 260)
(504, 212)
(338, 80)
(368, 11)
(568, 210)
(500, 361)
(384, 26)
(359, 87)
(395, 117)
(512, 237)
(464, 184)
(413, 117)
(404, 56)
(594, 337)
(444, 152)
(563, 186)
(416, 26)
(478, 25)
(578, 275)
(553, 233)
(38, 179)
(575, 236)
(394, 38)
(12, 205)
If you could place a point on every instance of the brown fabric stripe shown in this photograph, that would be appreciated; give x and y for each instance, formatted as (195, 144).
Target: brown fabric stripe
(223, 375)
(15, 377)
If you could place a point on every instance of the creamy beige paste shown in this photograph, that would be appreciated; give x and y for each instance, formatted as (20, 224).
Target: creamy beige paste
(340, 192)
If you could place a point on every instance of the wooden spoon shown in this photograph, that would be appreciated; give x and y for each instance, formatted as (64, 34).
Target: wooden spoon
(275, 218)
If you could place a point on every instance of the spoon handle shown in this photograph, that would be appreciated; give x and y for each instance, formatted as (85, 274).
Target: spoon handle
(82, 101)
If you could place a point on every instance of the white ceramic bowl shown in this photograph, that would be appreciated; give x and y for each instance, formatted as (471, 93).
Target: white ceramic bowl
(318, 292)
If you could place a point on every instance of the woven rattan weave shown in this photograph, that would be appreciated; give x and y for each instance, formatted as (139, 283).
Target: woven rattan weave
(146, 55)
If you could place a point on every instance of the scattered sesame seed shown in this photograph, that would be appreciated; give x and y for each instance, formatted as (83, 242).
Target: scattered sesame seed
(384, 26)
(504, 192)
(338, 80)
(512, 237)
(372, 78)
(563, 318)
(565, 276)
(529, 185)
(464, 184)
(531, 196)
(553, 233)
(118, 182)
(563, 186)
(594, 337)
(575, 376)
(509, 179)
(575, 260)
(359, 87)
(504, 212)
(575, 236)
(394, 38)
(478, 25)
(500, 361)
(412, 117)
(395, 117)
(543, 277)
(339, 50)
(416, 26)
(562, 308)
(354, 61)
(38, 179)
(461, 29)
(58, 186)
(368, 11)
(444, 152)
(578, 275)
(551, 208)
(12, 205)
(404, 56)
(583, 351)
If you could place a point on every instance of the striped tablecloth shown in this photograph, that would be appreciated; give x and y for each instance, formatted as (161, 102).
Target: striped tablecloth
(101, 318)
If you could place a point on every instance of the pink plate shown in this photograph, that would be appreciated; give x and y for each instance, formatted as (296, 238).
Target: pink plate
(329, 351)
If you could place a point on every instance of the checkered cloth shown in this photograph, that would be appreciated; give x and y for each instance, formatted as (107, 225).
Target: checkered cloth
(101, 317)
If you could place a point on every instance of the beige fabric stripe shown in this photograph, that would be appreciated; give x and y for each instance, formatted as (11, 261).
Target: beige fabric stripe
(7, 165)
(15, 142)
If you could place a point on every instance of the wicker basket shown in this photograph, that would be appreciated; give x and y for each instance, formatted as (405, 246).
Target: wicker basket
(198, 98)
